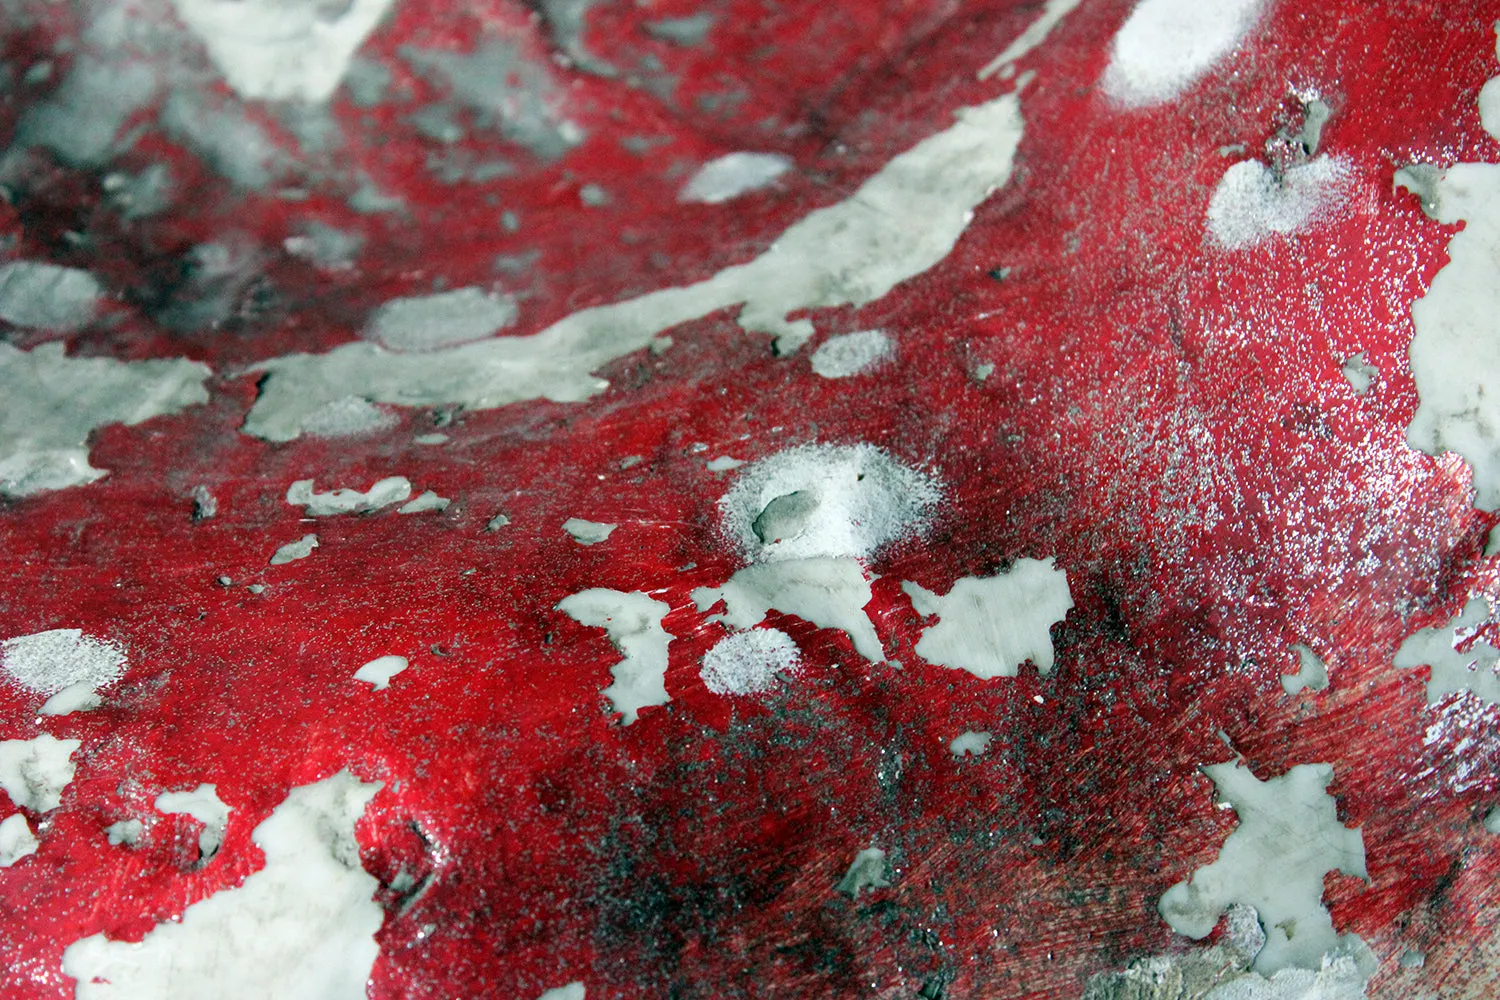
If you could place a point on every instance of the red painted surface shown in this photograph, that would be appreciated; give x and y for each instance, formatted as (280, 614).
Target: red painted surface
(1167, 419)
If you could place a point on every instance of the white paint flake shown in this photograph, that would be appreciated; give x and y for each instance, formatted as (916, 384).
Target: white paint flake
(724, 463)
(204, 805)
(899, 223)
(1253, 201)
(1289, 837)
(1053, 11)
(54, 402)
(572, 991)
(633, 622)
(428, 501)
(433, 322)
(126, 831)
(733, 175)
(1359, 373)
(1311, 675)
(749, 662)
(1339, 977)
(989, 626)
(47, 297)
(292, 551)
(35, 772)
(379, 671)
(80, 697)
(348, 416)
(830, 593)
(279, 50)
(868, 871)
(1166, 45)
(51, 661)
(970, 743)
(390, 490)
(588, 532)
(302, 927)
(851, 353)
(1452, 671)
(16, 840)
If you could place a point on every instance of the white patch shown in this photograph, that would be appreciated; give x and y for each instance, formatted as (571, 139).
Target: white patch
(1311, 675)
(48, 662)
(303, 927)
(1338, 978)
(424, 503)
(497, 522)
(53, 403)
(1359, 373)
(126, 831)
(733, 175)
(431, 439)
(868, 871)
(227, 139)
(749, 662)
(204, 805)
(851, 353)
(588, 532)
(572, 991)
(901, 222)
(433, 322)
(1452, 671)
(845, 501)
(1036, 32)
(392, 489)
(292, 551)
(1289, 837)
(989, 626)
(1251, 202)
(35, 772)
(1166, 45)
(379, 671)
(47, 297)
(16, 840)
(82, 119)
(1492, 820)
(723, 464)
(279, 50)
(633, 622)
(970, 743)
(80, 697)
(830, 593)
(348, 416)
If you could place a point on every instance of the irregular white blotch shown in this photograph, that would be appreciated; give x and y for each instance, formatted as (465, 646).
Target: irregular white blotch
(48, 662)
(279, 50)
(1036, 32)
(1492, 820)
(47, 297)
(733, 175)
(80, 697)
(989, 626)
(35, 772)
(427, 501)
(125, 831)
(902, 221)
(970, 743)
(572, 991)
(1166, 45)
(747, 662)
(1252, 201)
(1312, 673)
(292, 551)
(588, 532)
(633, 622)
(1453, 671)
(204, 805)
(82, 119)
(723, 463)
(830, 593)
(1339, 977)
(430, 439)
(1359, 373)
(1289, 837)
(825, 500)
(867, 871)
(232, 143)
(851, 353)
(52, 403)
(16, 840)
(433, 322)
(379, 671)
(303, 927)
(392, 489)
(348, 416)
(497, 522)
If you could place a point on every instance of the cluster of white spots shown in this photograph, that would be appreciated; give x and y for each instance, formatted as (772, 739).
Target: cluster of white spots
(35, 772)
(1053, 11)
(749, 662)
(61, 659)
(970, 743)
(1311, 675)
(390, 490)
(1253, 201)
(303, 927)
(278, 50)
(16, 840)
(1289, 837)
(428, 501)
(733, 175)
(292, 551)
(572, 991)
(851, 353)
(588, 532)
(1452, 671)
(633, 623)
(47, 297)
(1166, 45)
(868, 871)
(900, 222)
(830, 593)
(989, 626)
(204, 805)
(53, 403)
(433, 322)
(379, 671)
